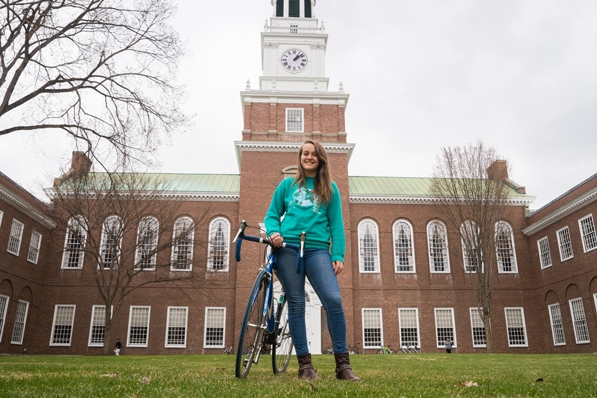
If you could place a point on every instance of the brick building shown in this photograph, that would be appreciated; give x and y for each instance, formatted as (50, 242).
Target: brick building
(544, 300)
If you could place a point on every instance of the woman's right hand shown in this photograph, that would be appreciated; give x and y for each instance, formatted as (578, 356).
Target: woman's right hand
(276, 239)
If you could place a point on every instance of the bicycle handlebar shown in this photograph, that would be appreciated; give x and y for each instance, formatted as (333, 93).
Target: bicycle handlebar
(240, 236)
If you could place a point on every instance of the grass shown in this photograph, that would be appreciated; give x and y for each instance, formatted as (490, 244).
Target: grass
(401, 375)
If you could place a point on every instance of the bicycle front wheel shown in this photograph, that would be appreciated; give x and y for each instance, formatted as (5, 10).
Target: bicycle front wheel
(282, 349)
(251, 330)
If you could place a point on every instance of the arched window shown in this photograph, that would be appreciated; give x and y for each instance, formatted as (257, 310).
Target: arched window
(504, 246)
(404, 254)
(368, 246)
(218, 247)
(437, 241)
(74, 243)
(294, 8)
(182, 244)
(147, 243)
(111, 241)
(470, 247)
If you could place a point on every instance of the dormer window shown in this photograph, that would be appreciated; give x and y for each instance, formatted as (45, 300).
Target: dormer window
(294, 120)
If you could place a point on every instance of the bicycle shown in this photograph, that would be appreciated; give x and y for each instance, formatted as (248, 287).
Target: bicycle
(264, 325)
(385, 350)
(227, 350)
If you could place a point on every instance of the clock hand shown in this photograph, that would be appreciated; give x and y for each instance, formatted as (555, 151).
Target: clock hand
(297, 57)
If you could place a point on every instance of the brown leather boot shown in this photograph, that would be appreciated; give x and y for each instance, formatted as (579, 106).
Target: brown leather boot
(343, 369)
(306, 368)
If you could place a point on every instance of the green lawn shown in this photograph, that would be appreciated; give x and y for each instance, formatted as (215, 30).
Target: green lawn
(400, 375)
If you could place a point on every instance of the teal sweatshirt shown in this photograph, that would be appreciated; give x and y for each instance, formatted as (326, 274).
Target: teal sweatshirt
(303, 212)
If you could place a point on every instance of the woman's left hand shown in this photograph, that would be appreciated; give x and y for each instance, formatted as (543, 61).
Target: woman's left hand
(337, 266)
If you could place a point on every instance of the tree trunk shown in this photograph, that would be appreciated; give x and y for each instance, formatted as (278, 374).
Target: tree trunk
(488, 334)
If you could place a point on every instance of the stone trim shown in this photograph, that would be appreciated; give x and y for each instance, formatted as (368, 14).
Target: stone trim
(12, 199)
(558, 214)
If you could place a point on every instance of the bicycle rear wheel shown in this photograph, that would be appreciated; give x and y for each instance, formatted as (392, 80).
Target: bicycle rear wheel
(282, 349)
(251, 330)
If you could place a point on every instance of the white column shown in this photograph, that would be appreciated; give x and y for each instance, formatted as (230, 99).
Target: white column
(301, 8)
(286, 6)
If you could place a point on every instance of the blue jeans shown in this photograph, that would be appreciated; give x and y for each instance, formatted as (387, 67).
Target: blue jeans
(318, 269)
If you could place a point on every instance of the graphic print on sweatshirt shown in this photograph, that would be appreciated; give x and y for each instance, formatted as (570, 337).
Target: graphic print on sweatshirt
(304, 197)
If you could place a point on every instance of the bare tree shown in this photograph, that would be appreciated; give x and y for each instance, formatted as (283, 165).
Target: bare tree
(128, 233)
(98, 70)
(470, 187)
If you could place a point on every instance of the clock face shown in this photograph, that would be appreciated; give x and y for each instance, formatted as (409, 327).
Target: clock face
(294, 60)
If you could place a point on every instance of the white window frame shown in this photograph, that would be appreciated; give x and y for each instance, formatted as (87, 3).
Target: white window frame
(4, 301)
(175, 321)
(138, 323)
(97, 321)
(216, 249)
(374, 248)
(1, 215)
(465, 228)
(16, 237)
(34, 246)
(440, 322)
(557, 324)
(477, 322)
(505, 230)
(369, 315)
(67, 318)
(112, 225)
(18, 330)
(182, 223)
(295, 126)
(544, 252)
(405, 321)
(147, 242)
(579, 321)
(587, 233)
(433, 249)
(410, 247)
(75, 226)
(511, 324)
(564, 239)
(215, 318)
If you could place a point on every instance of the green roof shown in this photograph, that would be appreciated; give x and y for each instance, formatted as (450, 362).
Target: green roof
(199, 182)
(398, 186)
(358, 186)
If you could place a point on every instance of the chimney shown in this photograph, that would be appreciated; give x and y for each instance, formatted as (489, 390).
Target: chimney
(80, 165)
(498, 170)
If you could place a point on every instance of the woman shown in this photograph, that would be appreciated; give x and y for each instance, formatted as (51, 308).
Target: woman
(311, 202)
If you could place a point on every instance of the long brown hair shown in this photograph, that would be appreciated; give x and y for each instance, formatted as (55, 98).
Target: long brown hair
(323, 178)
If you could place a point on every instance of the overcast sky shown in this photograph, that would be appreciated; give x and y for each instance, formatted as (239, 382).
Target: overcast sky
(519, 75)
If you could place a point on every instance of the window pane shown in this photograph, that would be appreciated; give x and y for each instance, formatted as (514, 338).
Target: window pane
(516, 327)
(14, 240)
(409, 327)
(218, 245)
(404, 259)
(138, 326)
(478, 329)
(565, 244)
(34, 246)
(438, 247)
(63, 324)
(444, 326)
(182, 249)
(587, 230)
(544, 253)
(372, 328)
(177, 327)
(368, 247)
(579, 321)
(74, 243)
(147, 242)
(557, 326)
(506, 255)
(215, 321)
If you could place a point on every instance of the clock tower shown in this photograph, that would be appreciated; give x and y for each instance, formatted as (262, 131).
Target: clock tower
(293, 103)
